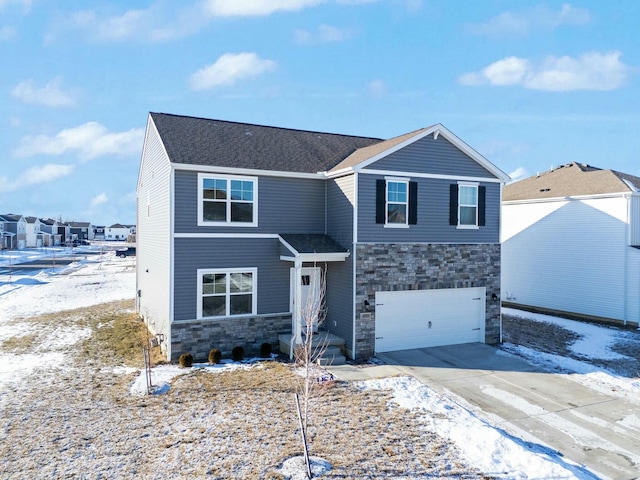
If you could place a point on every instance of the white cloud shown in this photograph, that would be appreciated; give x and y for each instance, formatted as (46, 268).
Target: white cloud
(324, 34)
(230, 68)
(99, 200)
(50, 95)
(89, 140)
(35, 176)
(519, 173)
(589, 71)
(377, 88)
(25, 4)
(227, 8)
(525, 22)
(7, 33)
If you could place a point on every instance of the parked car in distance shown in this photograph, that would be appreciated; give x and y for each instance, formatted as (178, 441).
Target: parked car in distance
(127, 252)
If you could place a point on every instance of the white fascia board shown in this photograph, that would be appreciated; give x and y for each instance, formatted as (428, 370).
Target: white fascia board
(568, 198)
(245, 171)
(388, 173)
(226, 235)
(324, 257)
(338, 173)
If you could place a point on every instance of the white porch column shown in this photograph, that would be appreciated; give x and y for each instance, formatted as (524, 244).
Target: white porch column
(296, 333)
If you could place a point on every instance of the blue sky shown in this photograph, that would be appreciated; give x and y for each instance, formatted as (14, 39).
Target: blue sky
(528, 85)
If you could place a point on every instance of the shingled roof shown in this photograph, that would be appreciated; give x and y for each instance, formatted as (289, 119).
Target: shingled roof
(200, 141)
(365, 153)
(572, 179)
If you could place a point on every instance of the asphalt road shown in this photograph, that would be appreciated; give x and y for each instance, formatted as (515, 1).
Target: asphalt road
(591, 428)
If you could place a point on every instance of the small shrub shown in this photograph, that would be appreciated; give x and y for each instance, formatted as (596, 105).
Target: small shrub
(237, 354)
(214, 356)
(265, 350)
(186, 360)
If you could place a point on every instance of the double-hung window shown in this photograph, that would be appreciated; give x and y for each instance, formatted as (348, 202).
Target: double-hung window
(225, 200)
(467, 206)
(226, 293)
(396, 202)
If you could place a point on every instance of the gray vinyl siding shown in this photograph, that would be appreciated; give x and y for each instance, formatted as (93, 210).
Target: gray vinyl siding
(153, 238)
(285, 205)
(433, 215)
(427, 155)
(340, 209)
(340, 299)
(262, 253)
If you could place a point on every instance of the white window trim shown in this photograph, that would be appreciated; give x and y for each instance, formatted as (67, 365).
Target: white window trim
(386, 202)
(227, 271)
(469, 184)
(228, 222)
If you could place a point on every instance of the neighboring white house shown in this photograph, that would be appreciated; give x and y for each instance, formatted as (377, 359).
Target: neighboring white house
(34, 234)
(119, 232)
(571, 244)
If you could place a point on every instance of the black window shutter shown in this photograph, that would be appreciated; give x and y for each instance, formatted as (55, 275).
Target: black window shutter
(482, 204)
(380, 201)
(453, 204)
(413, 203)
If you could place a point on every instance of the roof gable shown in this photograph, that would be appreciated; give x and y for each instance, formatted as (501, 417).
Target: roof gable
(199, 141)
(570, 180)
(365, 157)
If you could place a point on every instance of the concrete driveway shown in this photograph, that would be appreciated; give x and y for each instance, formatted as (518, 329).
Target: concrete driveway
(588, 427)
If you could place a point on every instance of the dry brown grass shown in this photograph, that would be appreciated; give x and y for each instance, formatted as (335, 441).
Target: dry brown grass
(79, 420)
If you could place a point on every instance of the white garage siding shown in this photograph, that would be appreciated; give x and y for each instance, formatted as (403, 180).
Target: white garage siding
(429, 318)
(567, 255)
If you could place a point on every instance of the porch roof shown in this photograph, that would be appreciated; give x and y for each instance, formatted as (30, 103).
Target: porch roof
(313, 247)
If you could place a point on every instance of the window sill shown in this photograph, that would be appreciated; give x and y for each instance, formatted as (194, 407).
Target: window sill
(468, 227)
(392, 225)
(227, 224)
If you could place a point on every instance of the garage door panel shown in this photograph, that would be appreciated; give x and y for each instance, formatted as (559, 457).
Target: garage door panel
(428, 318)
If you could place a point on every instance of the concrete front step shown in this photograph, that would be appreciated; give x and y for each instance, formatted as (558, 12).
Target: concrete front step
(333, 345)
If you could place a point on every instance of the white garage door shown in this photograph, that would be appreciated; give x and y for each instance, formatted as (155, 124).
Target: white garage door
(429, 318)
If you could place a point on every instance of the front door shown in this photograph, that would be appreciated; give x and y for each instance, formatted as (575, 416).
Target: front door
(310, 296)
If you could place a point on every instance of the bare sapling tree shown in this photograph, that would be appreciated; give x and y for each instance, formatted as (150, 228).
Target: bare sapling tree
(309, 352)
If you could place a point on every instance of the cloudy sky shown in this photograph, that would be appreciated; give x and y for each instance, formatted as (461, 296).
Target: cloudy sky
(529, 85)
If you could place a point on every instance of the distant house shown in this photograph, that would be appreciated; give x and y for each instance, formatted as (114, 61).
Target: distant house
(35, 237)
(98, 232)
(14, 233)
(50, 230)
(81, 230)
(238, 224)
(121, 232)
(571, 244)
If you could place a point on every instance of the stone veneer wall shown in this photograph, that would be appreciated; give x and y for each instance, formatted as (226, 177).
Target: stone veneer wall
(199, 336)
(400, 266)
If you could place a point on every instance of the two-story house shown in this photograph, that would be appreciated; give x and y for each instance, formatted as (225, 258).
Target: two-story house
(34, 235)
(81, 230)
(14, 231)
(51, 232)
(120, 232)
(238, 224)
(571, 244)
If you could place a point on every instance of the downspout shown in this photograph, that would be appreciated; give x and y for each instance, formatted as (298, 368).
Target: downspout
(627, 228)
(355, 261)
